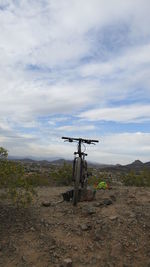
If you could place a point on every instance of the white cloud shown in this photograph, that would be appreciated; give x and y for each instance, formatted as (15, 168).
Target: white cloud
(121, 148)
(124, 114)
(130, 60)
(112, 148)
(53, 32)
(76, 128)
(44, 52)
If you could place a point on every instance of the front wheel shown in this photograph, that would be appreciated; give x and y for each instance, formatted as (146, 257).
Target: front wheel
(77, 175)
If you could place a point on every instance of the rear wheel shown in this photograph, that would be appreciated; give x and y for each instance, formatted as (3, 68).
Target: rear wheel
(85, 175)
(77, 174)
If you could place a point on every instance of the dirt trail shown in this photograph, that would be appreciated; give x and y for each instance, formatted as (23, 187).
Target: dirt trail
(113, 230)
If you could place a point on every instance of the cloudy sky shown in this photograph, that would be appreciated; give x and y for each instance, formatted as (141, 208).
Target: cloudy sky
(77, 68)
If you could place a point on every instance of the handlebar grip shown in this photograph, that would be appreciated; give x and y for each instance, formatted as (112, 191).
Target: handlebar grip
(66, 137)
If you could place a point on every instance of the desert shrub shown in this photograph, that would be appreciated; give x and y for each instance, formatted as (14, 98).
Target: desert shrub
(137, 179)
(37, 179)
(62, 175)
(95, 179)
(12, 181)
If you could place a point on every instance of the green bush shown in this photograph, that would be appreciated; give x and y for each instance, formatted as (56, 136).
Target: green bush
(140, 179)
(62, 175)
(95, 179)
(37, 179)
(12, 181)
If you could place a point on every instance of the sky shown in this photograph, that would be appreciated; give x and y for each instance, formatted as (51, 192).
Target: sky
(76, 68)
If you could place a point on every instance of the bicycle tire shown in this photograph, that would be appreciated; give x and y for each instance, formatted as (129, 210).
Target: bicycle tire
(77, 181)
(85, 182)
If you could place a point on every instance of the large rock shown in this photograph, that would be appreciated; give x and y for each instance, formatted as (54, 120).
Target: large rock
(87, 195)
(84, 195)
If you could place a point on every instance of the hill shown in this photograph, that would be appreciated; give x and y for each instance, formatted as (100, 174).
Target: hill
(137, 165)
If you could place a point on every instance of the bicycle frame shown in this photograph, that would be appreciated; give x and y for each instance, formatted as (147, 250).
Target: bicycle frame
(82, 155)
(80, 173)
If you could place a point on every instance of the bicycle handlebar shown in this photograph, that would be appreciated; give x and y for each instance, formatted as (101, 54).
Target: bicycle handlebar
(88, 141)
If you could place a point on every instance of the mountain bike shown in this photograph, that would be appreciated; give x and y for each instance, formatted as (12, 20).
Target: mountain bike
(80, 170)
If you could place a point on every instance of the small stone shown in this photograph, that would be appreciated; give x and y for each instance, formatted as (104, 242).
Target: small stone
(98, 221)
(113, 198)
(32, 229)
(94, 260)
(98, 235)
(107, 201)
(41, 236)
(89, 210)
(91, 247)
(127, 244)
(52, 247)
(131, 196)
(46, 204)
(24, 258)
(132, 216)
(113, 218)
(55, 255)
(129, 201)
(42, 220)
(67, 263)
(98, 204)
(85, 227)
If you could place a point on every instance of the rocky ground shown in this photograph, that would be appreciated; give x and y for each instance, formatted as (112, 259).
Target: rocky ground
(113, 230)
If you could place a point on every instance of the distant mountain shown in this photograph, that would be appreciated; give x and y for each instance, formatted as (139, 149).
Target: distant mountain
(61, 161)
(147, 165)
(137, 165)
(30, 160)
(99, 165)
(25, 160)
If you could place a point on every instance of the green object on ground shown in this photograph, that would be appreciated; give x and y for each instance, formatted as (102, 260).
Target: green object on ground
(102, 185)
